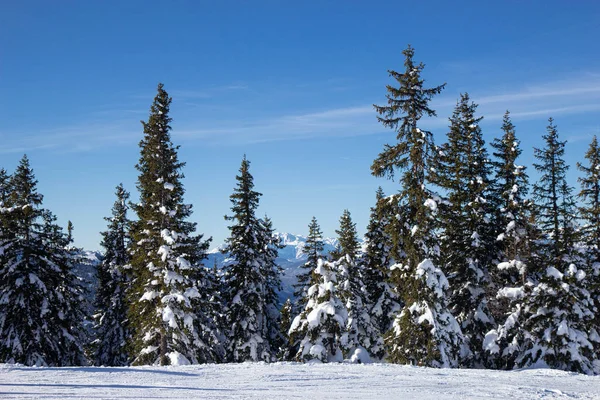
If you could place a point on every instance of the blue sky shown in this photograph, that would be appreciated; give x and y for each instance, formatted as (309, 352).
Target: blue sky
(289, 84)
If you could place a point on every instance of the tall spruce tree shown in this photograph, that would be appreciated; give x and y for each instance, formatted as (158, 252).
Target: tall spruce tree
(109, 348)
(313, 248)
(553, 197)
(509, 199)
(166, 257)
(425, 333)
(382, 299)
(462, 170)
(590, 199)
(251, 276)
(40, 298)
(590, 214)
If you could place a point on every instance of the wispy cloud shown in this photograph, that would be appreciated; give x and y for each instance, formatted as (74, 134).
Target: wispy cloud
(560, 97)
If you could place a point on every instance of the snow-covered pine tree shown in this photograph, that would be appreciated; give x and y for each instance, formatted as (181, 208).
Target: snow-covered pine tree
(286, 315)
(425, 332)
(40, 299)
(590, 214)
(364, 339)
(212, 314)
(166, 256)
(462, 171)
(251, 276)
(270, 244)
(553, 197)
(516, 240)
(5, 231)
(313, 247)
(382, 300)
(590, 198)
(555, 317)
(510, 217)
(321, 328)
(109, 347)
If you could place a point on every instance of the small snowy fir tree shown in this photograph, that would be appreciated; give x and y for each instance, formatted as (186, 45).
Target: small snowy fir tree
(425, 333)
(462, 170)
(166, 255)
(251, 277)
(313, 247)
(41, 300)
(364, 339)
(382, 300)
(111, 308)
(286, 314)
(320, 328)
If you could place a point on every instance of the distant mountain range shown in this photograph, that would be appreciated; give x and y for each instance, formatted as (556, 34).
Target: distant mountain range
(291, 257)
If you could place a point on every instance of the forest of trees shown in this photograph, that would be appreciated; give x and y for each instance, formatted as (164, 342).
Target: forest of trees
(467, 265)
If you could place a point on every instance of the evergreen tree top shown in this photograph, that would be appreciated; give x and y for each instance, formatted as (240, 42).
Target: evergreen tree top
(24, 186)
(244, 198)
(406, 104)
(347, 236)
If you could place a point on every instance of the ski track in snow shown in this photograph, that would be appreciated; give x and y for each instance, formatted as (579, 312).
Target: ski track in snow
(291, 381)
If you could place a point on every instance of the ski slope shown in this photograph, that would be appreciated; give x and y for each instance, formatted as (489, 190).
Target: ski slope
(292, 381)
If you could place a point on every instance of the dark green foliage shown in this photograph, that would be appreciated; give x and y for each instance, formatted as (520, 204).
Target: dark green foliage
(382, 300)
(590, 214)
(111, 307)
(554, 200)
(462, 170)
(347, 236)
(251, 278)
(511, 214)
(167, 276)
(590, 198)
(286, 350)
(415, 241)
(41, 312)
(313, 249)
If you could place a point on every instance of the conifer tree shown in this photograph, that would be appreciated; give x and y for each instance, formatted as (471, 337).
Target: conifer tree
(553, 197)
(382, 299)
(509, 200)
(364, 339)
(167, 276)
(111, 307)
(590, 214)
(313, 248)
(270, 244)
(462, 171)
(251, 277)
(425, 333)
(4, 187)
(320, 329)
(555, 313)
(40, 299)
(286, 315)
(347, 236)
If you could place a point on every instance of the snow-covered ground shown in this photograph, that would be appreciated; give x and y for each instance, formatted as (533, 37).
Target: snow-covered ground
(292, 381)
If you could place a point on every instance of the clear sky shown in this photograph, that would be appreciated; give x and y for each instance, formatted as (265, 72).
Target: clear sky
(291, 84)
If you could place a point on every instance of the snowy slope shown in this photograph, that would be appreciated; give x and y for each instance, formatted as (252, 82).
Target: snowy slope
(291, 257)
(292, 381)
